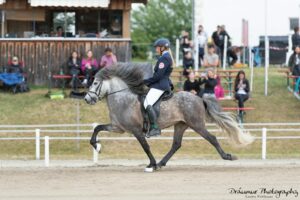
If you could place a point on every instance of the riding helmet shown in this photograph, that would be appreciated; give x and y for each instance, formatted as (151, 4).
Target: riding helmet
(162, 42)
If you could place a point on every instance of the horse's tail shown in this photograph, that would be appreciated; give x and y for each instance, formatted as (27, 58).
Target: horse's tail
(227, 123)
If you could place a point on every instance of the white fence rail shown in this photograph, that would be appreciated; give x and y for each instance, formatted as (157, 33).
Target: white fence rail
(47, 138)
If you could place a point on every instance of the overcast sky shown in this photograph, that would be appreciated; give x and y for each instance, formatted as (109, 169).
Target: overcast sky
(231, 13)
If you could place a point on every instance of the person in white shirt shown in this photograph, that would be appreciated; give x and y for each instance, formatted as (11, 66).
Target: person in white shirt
(202, 41)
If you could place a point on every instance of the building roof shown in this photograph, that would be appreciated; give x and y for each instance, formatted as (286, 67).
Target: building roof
(69, 3)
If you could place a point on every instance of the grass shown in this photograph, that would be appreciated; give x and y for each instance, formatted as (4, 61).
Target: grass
(34, 108)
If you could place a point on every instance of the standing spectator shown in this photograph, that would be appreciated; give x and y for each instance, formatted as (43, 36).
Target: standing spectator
(89, 67)
(188, 63)
(222, 35)
(191, 85)
(74, 65)
(295, 38)
(232, 54)
(211, 59)
(294, 64)
(216, 38)
(241, 87)
(185, 42)
(108, 59)
(209, 80)
(202, 41)
(15, 66)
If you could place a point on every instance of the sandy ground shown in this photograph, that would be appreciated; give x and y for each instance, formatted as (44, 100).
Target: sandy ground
(174, 182)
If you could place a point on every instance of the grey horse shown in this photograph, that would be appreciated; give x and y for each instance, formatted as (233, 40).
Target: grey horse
(123, 83)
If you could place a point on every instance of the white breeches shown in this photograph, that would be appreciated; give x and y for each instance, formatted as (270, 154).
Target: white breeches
(152, 96)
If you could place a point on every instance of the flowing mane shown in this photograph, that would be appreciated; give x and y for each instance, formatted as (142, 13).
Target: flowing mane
(130, 73)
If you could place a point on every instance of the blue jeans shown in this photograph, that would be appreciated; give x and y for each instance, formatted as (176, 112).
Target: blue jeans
(297, 85)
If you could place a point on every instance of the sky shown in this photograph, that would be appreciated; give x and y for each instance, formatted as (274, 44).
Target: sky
(231, 12)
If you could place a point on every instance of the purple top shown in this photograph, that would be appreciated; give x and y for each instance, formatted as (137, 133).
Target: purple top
(107, 61)
(93, 62)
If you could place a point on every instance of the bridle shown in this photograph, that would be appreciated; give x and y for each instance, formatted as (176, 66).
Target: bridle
(98, 89)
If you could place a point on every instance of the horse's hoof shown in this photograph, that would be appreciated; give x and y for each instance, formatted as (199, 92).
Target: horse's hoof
(98, 147)
(149, 169)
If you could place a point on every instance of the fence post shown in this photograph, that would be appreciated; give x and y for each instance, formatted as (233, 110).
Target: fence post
(37, 144)
(225, 52)
(177, 52)
(47, 151)
(264, 144)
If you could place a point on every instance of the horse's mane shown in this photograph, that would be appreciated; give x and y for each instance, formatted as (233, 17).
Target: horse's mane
(130, 73)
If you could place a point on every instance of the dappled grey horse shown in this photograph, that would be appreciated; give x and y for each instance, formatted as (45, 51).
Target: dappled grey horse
(123, 83)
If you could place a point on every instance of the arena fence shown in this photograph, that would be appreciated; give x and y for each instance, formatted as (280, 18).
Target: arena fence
(38, 129)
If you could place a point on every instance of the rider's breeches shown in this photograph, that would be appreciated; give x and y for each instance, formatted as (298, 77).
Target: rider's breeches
(152, 97)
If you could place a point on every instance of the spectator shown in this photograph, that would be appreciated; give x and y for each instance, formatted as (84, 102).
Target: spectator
(15, 66)
(219, 90)
(210, 82)
(222, 35)
(232, 53)
(241, 87)
(216, 39)
(185, 42)
(108, 59)
(188, 63)
(202, 41)
(74, 64)
(192, 85)
(89, 67)
(59, 31)
(295, 38)
(211, 59)
(294, 60)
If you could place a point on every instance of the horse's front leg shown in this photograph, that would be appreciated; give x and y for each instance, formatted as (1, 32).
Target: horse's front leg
(96, 144)
(141, 138)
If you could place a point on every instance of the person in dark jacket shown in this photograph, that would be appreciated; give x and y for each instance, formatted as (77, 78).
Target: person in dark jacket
(294, 60)
(191, 84)
(159, 83)
(209, 80)
(232, 54)
(188, 63)
(295, 38)
(241, 87)
(74, 65)
(15, 66)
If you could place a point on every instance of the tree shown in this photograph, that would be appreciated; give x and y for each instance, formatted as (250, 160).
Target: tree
(159, 18)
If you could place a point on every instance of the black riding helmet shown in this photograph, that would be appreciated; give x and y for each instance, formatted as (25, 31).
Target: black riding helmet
(162, 42)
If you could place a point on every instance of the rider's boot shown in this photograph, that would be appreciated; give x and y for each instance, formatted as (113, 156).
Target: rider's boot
(154, 129)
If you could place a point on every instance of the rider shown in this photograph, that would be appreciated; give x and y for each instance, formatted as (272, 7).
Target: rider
(159, 83)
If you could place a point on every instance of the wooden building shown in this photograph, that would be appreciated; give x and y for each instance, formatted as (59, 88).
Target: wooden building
(43, 33)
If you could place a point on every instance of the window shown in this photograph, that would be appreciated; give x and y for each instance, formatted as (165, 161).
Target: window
(64, 24)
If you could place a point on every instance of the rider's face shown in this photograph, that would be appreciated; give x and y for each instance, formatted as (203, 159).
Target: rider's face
(157, 49)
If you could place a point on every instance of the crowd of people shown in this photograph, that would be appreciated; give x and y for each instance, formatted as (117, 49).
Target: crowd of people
(88, 66)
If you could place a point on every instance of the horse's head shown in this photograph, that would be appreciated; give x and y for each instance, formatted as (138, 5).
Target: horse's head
(97, 91)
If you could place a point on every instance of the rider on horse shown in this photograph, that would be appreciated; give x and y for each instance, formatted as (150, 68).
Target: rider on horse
(159, 83)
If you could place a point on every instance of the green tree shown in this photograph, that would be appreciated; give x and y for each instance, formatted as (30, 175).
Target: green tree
(159, 18)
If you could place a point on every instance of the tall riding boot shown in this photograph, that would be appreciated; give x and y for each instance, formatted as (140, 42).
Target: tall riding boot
(154, 129)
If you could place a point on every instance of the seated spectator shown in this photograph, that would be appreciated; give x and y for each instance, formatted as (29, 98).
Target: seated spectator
(219, 90)
(232, 54)
(294, 60)
(209, 80)
(192, 85)
(188, 63)
(241, 87)
(89, 67)
(211, 59)
(15, 66)
(74, 65)
(108, 59)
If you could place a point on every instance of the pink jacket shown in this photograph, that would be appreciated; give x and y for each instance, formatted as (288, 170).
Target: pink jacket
(93, 62)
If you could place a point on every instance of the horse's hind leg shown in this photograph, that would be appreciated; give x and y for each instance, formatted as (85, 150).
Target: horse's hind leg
(141, 138)
(177, 139)
(213, 140)
(97, 129)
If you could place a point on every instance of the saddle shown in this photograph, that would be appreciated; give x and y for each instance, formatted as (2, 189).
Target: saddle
(164, 97)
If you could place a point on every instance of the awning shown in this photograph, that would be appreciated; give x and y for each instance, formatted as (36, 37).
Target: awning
(69, 3)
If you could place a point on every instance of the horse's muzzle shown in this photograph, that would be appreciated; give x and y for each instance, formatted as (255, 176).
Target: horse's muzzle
(90, 99)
